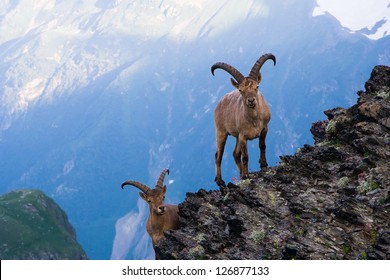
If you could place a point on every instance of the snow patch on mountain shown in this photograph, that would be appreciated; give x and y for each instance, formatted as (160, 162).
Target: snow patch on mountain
(370, 18)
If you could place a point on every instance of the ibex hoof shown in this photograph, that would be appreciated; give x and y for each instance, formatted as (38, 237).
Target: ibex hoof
(220, 182)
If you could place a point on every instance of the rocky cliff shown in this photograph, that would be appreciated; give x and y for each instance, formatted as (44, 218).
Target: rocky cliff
(328, 201)
(33, 226)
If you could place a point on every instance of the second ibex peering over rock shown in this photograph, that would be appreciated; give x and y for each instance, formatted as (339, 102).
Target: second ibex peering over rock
(243, 113)
(162, 217)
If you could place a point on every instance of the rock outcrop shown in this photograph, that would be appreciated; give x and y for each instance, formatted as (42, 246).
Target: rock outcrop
(34, 227)
(328, 201)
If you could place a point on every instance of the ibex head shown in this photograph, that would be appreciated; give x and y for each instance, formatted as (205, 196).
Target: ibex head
(154, 197)
(248, 86)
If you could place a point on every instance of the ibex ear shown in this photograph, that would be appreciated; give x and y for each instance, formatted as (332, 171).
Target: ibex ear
(234, 83)
(164, 189)
(143, 196)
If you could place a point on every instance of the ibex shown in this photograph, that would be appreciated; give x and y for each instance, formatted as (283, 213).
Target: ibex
(244, 114)
(162, 217)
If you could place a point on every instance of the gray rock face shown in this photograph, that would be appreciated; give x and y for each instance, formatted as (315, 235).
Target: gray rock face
(330, 201)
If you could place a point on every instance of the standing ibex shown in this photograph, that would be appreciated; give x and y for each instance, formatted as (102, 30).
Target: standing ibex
(243, 113)
(162, 217)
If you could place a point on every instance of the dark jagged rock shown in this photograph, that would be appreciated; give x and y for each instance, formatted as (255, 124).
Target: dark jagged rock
(330, 201)
(34, 227)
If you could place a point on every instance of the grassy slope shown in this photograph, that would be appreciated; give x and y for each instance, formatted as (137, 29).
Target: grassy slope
(33, 226)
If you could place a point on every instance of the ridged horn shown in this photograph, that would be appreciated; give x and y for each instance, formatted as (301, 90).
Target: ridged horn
(138, 185)
(160, 181)
(259, 63)
(230, 69)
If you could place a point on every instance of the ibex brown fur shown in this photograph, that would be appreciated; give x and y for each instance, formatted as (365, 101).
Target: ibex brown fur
(244, 114)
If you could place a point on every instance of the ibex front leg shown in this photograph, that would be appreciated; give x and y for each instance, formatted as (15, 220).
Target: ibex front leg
(262, 146)
(244, 173)
(221, 141)
(237, 156)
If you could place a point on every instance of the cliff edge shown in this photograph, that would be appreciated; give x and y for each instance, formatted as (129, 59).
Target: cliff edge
(328, 201)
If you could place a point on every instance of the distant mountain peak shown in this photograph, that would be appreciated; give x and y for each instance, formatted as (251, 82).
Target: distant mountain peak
(368, 18)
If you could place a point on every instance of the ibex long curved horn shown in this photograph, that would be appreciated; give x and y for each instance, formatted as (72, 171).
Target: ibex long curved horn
(160, 181)
(139, 185)
(259, 63)
(230, 69)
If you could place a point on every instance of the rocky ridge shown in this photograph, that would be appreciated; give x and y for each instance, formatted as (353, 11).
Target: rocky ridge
(327, 201)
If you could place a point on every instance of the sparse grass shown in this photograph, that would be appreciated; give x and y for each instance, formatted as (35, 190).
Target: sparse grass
(244, 183)
(367, 185)
(272, 197)
(374, 236)
(342, 182)
(197, 252)
(385, 94)
(257, 237)
(346, 248)
(300, 232)
(331, 128)
(336, 143)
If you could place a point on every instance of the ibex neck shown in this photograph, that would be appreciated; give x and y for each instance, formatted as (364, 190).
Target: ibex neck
(252, 113)
(156, 221)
